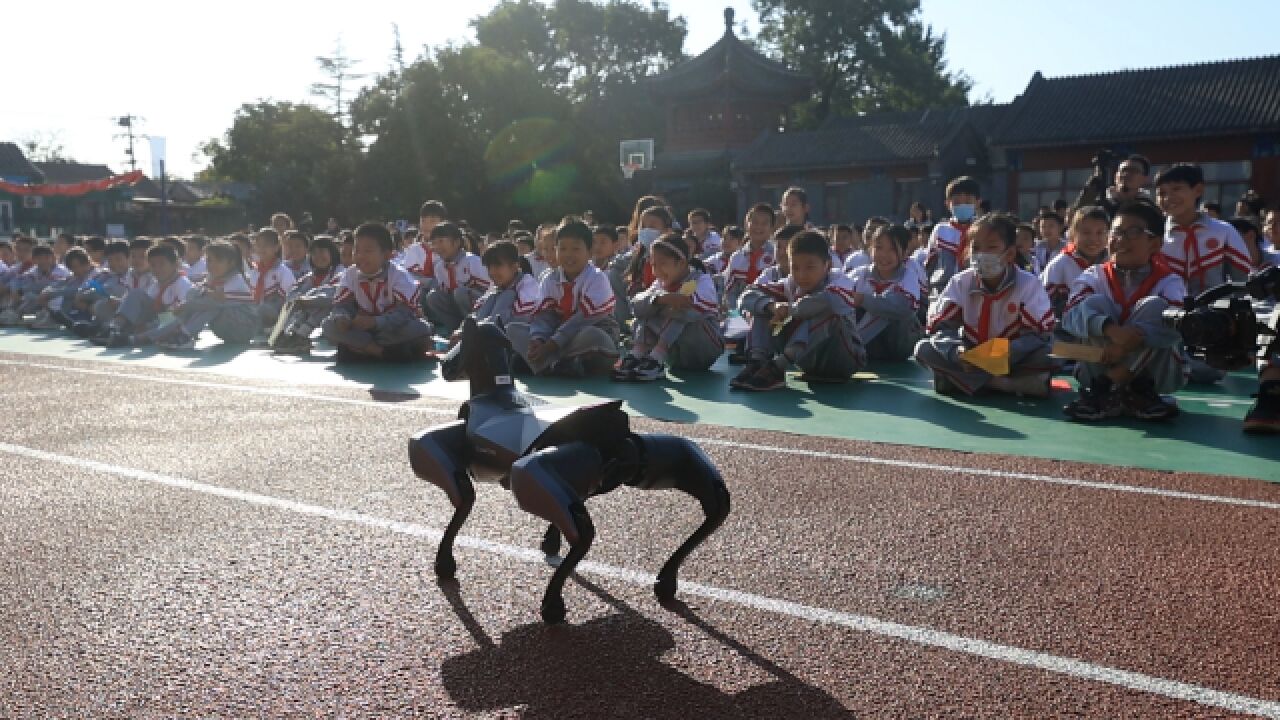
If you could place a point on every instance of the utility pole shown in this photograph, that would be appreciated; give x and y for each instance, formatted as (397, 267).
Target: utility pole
(127, 122)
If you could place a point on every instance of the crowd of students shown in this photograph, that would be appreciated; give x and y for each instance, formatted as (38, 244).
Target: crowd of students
(581, 299)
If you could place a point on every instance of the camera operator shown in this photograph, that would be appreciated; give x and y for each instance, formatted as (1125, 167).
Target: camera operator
(1264, 416)
(1128, 184)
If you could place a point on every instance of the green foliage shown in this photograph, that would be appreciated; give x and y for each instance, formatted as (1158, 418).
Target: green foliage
(865, 56)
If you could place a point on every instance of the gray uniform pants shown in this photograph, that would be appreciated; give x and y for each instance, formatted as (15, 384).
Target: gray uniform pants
(447, 309)
(1166, 367)
(685, 345)
(233, 322)
(941, 354)
(824, 346)
(890, 340)
(416, 330)
(600, 340)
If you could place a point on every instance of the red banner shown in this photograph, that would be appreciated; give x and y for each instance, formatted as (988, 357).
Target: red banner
(73, 189)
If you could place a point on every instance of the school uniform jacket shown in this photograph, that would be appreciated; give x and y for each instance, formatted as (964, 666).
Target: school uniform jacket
(168, 296)
(948, 244)
(33, 281)
(392, 296)
(271, 281)
(298, 267)
(706, 301)
(1018, 307)
(1061, 274)
(316, 280)
(235, 289)
(834, 295)
(466, 270)
(1045, 255)
(1107, 281)
(1207, 253)
(855, 260)
(419, 261)
(565, 307)
(138, 280)
(198, 271)
(520, 300)
(115, 285)
(886, 301)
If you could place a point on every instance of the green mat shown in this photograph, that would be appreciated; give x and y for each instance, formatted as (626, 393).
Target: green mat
(894, 404)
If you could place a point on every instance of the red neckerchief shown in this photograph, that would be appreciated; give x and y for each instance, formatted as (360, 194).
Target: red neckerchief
(449, 268)
(428, 265)
(1190, 249)
(259, 288)
(1159, 271)
(753, 259)
(962, 248)
(159, 301)
(989, 299)
(372, 296)
(566, 299)
(648, 272)
(318, 280)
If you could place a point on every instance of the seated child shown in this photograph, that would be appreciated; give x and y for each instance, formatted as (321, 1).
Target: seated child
(781, 268)
(719, 262)
(180, 248)
(1118, 305)
(222, 302)
(295, 248)
(16, 267)
(807, 319)
(28, 296)
(309, 300)
(543, 257)
(60, 296)
(271, 278)
(795, 207)
(197, 270)
(96, 247)
(1025, 258)
(677, 318)
(607, 259)
(655, 222)
(419, 259)
(457, 282)
(1087, 248)
(347, 248)
(377, 313)
(573, 333)
(95, 304)
(861, 256)
(887, 295)
(1255, 242)
(140, 275)
(706, 240)
(514, 294)
(948, 251)
(992, 299)
(751, 259)
(844, 243)
(1050, 244)
(245, 246)
(144, 313)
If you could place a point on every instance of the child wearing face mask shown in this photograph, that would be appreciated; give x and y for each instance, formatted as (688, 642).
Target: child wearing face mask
(654, 223)
(949, 244)
(992, 299)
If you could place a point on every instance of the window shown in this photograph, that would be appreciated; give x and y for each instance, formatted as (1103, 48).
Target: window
(1226, 182)
(1037, 188)
(833, 202)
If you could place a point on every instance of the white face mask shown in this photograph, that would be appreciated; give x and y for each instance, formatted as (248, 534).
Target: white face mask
(988, 265)
(646, 236)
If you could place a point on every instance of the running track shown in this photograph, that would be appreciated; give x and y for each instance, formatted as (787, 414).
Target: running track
(183, 544)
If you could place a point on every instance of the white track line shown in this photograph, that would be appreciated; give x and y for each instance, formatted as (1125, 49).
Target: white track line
(1047, 662)
(862, 459)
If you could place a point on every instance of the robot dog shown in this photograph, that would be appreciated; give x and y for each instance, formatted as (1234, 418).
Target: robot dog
(553, 459)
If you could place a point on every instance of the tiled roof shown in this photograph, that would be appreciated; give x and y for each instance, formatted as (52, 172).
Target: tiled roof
(1232, 96)
(880, 138)
(14, 164)
(732, 62)
(72, 172)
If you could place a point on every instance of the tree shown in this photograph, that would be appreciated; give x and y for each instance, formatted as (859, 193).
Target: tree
(298, 157)
(865, 56)
(44, 146)
(337, 69)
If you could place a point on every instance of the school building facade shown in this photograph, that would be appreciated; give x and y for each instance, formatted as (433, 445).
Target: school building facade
(726, 147)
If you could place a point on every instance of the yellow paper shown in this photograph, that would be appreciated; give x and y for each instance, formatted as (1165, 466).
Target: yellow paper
(689, 288)
(1077, 351)
(992, 356)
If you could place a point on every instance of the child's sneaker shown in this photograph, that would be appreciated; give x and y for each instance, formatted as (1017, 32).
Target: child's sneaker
(648, 370)
(743, 378)
(84, 329)
(114, 340)
(179, 340)
(1264, 416)
(769, 377)
(45, 321)
(1099, 401)
(1024, 384)
(625, 370)
(943, 385)
(291, 344)
(10, 317)
(1143, 402)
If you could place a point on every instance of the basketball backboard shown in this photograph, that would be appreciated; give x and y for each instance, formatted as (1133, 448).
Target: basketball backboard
(635, 155)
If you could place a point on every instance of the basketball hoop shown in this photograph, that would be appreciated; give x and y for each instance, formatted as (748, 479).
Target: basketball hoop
(629, 170)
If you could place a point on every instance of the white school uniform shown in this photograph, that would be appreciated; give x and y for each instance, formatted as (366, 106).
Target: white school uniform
(1062, 272)
(170, 295)
(949, 237)
(466, 270)
(1021, 307)
(418, 260)
(590, 290)
(378, 295)
(138, 280)
(198, 270)
(1102, 280)
(745, 266)
(273, 281)
(1207, 256)
(911, 286)
(855, 260)
(1044, 255)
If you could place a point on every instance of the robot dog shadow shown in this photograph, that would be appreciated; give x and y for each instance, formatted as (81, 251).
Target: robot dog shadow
(611, 666)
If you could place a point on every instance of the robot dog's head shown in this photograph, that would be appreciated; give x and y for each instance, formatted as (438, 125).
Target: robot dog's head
(484, 355)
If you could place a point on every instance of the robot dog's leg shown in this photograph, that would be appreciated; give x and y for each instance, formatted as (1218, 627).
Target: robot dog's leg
(551, 541)
(674, 462)
(440, 456)
(553, 484)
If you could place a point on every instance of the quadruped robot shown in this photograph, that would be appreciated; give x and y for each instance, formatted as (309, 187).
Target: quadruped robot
(553, 459)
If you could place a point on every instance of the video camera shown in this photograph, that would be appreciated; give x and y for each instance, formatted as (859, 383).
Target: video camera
(1220, 325)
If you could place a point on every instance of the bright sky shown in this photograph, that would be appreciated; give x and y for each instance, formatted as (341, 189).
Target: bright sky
(76, 68)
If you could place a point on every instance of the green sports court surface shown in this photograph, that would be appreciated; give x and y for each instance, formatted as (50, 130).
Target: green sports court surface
(893, 404)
